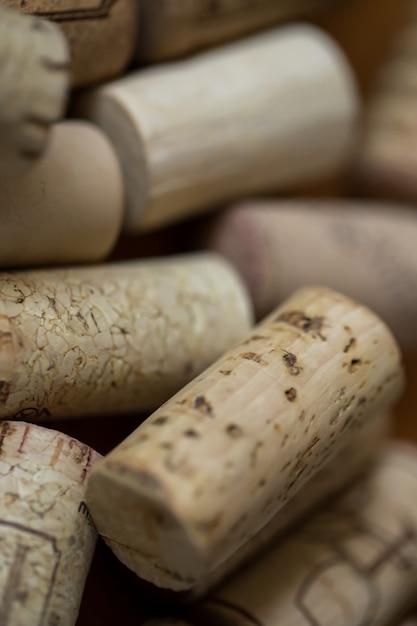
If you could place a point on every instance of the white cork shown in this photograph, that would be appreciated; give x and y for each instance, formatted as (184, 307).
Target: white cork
(47, 537)
(34, 81)
(216, 462)
(366, 249)
(114, 337)
(265, 113)
(69, 207)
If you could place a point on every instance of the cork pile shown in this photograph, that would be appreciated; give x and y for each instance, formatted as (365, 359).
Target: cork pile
(208, 281)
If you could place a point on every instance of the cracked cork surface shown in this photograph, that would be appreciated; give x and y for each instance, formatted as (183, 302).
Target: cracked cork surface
(239, 447)
(46, 534)
(115, 337)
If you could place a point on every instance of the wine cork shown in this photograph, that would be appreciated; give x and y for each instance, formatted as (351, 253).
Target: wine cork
(170, 29)
(46, 534)
(365, 249)
(193, 134)
(69, 207)
(34, 81)
(217, 461)
(386, 164)
(114, 337)
(101, 33)
(354, 563)
(354, 459)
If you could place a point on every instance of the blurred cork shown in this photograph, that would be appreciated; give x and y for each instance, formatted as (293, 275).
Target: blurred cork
(46, 534)
(386, 164)
(69, 207)
(34, 80)
(115, 337)
(170, 29)
(355, 458)
(191, 135)
(365, 249)
(217, 461)
(354, 563)
(101, 33)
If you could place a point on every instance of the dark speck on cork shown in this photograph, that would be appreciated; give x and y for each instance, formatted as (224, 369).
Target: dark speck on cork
(226, 372)
(291, 394)
(354, 365)
(298, 319)
(252, 356)
(234, 431)
(350, 344)
(4, 390)
(191, 433)
(160, 421)
(290, 361)
(203, 405)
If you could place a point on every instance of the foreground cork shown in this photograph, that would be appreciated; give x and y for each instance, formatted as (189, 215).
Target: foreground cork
(101, 33)
(69, 207)
(215, 463)
(34, 80)
(47, 537)
(220, 125)
(170, 29)
(353, 460)
(354, 563)
(365, 249)
(386, 164)
(114, 337)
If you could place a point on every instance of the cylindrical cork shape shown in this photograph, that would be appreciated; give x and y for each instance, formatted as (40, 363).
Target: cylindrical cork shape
(208, 469)
(114, 337)
(47, 537)
(387, 158)
(101, 33)
(355, 458)
(69, 207)
(170, 28)
(365, 249)
(221, 125)
(354, 563)
(34, 79)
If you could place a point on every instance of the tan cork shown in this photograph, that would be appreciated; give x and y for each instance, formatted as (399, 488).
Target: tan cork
(115, 337)
(47, 537)
(354, 563)
(101, 33)
(69, 207)
(34, 79)
(216, 462)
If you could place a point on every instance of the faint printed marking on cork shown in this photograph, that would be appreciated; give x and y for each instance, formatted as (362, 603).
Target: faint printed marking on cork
(69, 10)
(28, 555)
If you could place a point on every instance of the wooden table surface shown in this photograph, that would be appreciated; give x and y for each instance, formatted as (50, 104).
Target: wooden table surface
(365, 29)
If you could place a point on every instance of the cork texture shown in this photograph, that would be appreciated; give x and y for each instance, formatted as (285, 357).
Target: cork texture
(216, 462)
(114, 337)
(353, 563)
(46, 534)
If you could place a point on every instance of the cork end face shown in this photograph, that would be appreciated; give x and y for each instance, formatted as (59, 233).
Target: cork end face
(128, 509)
